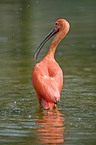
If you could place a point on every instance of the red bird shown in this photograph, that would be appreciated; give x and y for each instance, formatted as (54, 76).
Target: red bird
(47, 77)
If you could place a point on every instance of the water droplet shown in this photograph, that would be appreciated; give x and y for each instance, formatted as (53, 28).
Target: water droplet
(60, 53)
(87, 69)
(27, 6)
(37, 1)
(17, 13)
(20, 9)
(29, 116)
(93, 45)
(79, 118)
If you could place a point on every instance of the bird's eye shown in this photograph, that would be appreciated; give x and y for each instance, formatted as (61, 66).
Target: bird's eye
(56, 23)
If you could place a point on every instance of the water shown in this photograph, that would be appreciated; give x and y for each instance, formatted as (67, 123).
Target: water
(23, 25)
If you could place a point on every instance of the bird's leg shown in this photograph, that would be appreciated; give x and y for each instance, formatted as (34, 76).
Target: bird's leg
(51, 105)
(39, 98)
(45, 104)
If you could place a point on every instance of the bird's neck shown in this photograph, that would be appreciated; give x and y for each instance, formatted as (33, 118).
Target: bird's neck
(60, 35)
(53, 47)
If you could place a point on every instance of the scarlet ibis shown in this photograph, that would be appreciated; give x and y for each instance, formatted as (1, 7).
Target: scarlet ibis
(47, 77)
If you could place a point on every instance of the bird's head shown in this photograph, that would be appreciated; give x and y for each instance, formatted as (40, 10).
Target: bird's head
(60, 25)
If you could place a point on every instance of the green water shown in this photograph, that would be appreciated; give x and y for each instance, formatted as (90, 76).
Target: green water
(23, 25)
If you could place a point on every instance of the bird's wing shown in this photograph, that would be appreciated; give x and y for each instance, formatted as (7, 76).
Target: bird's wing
(47, 87)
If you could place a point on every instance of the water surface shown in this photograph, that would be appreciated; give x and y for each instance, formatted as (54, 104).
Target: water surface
(23, 25)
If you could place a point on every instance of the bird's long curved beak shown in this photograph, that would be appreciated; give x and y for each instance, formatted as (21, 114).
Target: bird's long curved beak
(52, 32)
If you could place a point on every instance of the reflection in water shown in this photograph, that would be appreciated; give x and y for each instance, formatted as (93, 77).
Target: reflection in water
(50, 127)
